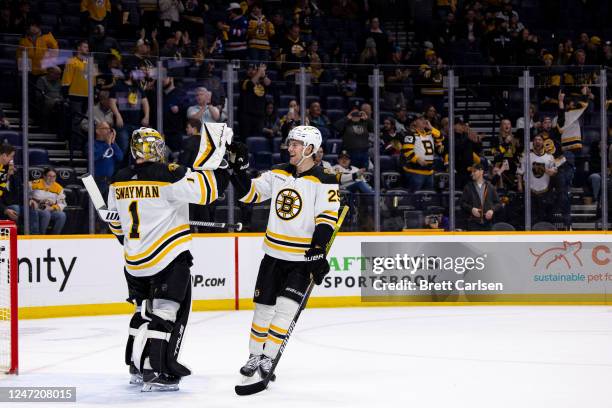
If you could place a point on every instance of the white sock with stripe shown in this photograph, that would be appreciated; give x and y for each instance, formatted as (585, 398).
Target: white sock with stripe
(259, 328)
(285, 311)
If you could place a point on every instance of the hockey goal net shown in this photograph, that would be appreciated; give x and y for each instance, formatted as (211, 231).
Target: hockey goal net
(8, 297)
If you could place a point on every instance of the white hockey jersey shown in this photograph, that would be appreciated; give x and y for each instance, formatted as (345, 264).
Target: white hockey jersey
(421, 144)
(298, 205)
(539, 180)
(153, 205)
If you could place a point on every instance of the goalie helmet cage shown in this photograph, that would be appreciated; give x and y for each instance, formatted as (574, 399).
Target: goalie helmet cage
(8, 298)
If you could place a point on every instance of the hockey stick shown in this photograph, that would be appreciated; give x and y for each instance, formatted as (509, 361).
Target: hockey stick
(263, 384)
(109, 216)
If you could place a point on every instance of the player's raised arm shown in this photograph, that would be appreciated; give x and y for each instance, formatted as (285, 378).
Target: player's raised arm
(198, 186)
(248, 189)
(209, 177)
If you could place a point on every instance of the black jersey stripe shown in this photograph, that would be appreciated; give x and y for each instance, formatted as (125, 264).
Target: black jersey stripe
(208, 188)
(329, 217)
(160, 248)
(286, 243)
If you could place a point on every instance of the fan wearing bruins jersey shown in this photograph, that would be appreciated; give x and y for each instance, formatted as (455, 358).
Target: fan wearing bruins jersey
(418, 152)
(303, 214)
(152, 199)
(563, 179)
(542, 169)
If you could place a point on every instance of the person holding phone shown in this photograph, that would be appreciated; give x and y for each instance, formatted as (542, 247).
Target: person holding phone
(107, 155)
(253, 90)
(419, 149)
(287, 123)
(355, 130)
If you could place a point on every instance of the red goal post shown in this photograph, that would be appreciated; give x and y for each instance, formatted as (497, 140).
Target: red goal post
(9, 361)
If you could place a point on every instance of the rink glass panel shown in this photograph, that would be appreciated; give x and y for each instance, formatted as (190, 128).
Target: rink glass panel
(484, 96)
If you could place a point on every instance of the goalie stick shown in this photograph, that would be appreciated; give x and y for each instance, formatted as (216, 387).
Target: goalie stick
(109, 216)
(261, 385)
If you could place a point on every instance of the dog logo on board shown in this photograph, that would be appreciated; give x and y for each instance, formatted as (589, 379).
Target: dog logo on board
(565, 253)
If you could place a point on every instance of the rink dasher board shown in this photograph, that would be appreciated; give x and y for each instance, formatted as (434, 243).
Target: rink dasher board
(83, 275)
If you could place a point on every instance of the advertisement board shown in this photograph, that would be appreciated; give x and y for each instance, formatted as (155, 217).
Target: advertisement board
(84, 275)
(59, 272)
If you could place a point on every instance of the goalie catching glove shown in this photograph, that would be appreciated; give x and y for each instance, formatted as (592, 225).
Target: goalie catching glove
(214, 139)
(316, 264)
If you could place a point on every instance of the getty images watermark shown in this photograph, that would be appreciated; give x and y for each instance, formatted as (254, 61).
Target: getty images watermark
(430, 264)
(426, 271)
(489, 270)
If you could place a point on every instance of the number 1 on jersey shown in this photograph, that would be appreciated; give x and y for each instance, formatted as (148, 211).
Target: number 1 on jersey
(134, 233)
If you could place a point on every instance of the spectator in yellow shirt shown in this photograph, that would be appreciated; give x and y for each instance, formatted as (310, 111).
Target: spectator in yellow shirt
(96, 11)
(75, 72)
(47, 203)
(74, 84)
(259, 33)
(42, 49)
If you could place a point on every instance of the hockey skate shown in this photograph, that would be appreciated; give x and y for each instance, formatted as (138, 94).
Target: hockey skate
(135, 375)
(265, 365)
(251, 365)
(153, 381)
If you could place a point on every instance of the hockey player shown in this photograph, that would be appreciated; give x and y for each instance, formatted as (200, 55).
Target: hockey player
(152, 199)
(303, 215)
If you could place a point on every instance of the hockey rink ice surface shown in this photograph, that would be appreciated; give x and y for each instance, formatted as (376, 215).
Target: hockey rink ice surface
(483, 356)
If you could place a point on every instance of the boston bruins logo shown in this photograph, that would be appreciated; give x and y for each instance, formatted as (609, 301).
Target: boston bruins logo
(538, 169)
(259, 90)
(288, 204)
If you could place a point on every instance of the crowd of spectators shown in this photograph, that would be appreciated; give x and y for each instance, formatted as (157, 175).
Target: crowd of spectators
(338, 42)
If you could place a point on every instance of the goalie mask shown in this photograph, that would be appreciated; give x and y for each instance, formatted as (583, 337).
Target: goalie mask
(147, 144)
(214, 139)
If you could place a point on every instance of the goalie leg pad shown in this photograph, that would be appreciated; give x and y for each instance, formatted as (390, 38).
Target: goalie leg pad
(166, 332)
(259, 328)
(135, 324)
(285, 311)
(156, 344)
(138, 289)
(178, 334)
(140, 337)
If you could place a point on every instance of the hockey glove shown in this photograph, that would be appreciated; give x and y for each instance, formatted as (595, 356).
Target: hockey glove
(316, 264)
(238, 156)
